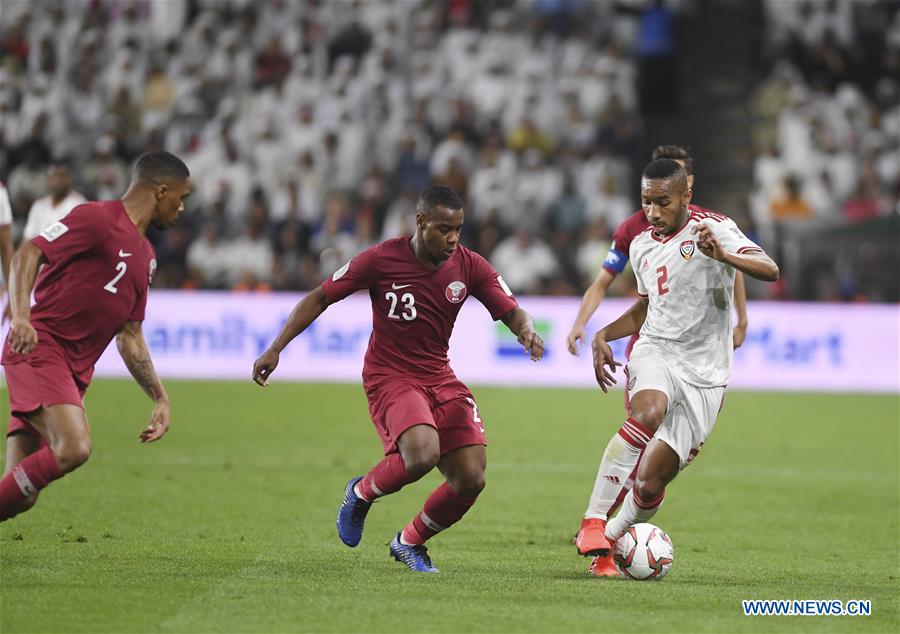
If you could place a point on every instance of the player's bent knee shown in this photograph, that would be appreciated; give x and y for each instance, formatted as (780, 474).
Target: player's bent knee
(421, 461)
(649, 416)
(470, 485)
(72, 454)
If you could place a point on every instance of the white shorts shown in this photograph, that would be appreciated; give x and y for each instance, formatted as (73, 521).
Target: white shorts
(692, 410)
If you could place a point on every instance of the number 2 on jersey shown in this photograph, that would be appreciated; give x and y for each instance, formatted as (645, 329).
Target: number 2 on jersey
(661, 280)
(409, 305)
(121, 267)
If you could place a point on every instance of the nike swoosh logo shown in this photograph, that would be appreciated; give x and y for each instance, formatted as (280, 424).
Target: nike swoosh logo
(122, 254)
(397, 287)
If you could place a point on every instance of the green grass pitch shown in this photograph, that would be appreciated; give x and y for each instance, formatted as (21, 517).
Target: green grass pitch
(227, 525)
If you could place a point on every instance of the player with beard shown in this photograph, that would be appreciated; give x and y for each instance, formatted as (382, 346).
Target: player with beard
(96, 266)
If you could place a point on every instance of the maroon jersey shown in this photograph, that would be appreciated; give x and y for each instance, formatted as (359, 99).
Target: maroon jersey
(96, 278)
(414, 308)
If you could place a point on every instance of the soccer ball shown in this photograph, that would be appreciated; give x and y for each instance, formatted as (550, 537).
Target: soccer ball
(644, 552)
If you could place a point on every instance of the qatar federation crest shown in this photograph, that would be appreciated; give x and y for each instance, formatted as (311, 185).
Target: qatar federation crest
(455, 292)
(152, 271)
(687, 249)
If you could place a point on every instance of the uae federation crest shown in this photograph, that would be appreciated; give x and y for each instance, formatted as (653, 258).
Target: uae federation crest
(687, 249)
(455, 292)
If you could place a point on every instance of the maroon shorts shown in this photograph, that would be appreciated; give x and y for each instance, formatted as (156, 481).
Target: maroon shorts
(396, 404)
(43, 378)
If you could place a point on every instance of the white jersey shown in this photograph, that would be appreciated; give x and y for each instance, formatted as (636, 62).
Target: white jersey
(689, 314)
(44, 213)
(5, 208)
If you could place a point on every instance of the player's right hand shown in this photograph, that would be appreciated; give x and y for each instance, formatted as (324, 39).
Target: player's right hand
(575, 339)
(22, 336)
(264, 367)
(603, 356)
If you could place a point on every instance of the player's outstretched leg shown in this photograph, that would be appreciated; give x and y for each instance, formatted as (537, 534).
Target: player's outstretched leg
(20, 443)
(616, 468)
(68, 447)
(464, 469)
(419, 450)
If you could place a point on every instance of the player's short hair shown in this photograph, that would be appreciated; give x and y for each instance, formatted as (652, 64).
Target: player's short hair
(676, 153)
(438, 196)
(665, 169)
(161, 167)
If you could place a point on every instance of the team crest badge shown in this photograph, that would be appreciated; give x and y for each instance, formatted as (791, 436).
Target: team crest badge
(455, 292)
(687, 249)
(152, 270)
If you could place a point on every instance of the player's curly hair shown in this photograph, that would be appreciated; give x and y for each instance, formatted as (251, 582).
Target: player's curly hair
(161, 167)
(438, 196)
(665, 169)
(676, 153)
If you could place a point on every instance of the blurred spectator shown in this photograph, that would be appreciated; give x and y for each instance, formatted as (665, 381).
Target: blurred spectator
(864, 203)
(657, 46)
(569, 210)
(790, 204)
(105, 173)
(251, 255)
(608, 204)
(524, 261)
(206, 258)
(53, 207)
(592, 251)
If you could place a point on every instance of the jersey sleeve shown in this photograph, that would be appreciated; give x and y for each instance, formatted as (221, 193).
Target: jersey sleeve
(732, 238)
(140, 307)
(489, 288)
(82, 230)
(357, 274)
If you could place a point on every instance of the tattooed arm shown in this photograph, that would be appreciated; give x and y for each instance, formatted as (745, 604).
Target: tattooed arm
(134, 352)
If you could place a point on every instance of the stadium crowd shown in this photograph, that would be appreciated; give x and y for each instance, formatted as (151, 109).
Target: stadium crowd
(310, 127)
(827, 133)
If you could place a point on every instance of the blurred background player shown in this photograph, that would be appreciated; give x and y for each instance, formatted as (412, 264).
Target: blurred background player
(98, 265)
(56, 205)
(6, 245)
(425, 416)
(609, 489)
(680, 366)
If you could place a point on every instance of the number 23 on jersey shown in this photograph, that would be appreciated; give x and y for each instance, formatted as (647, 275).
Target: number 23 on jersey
(405, 303)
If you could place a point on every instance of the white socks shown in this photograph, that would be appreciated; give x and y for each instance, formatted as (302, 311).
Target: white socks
(616, 468)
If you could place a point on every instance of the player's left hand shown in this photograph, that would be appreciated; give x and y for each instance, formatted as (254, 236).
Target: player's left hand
(159, 423)
(532, 343)
(708, 242)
